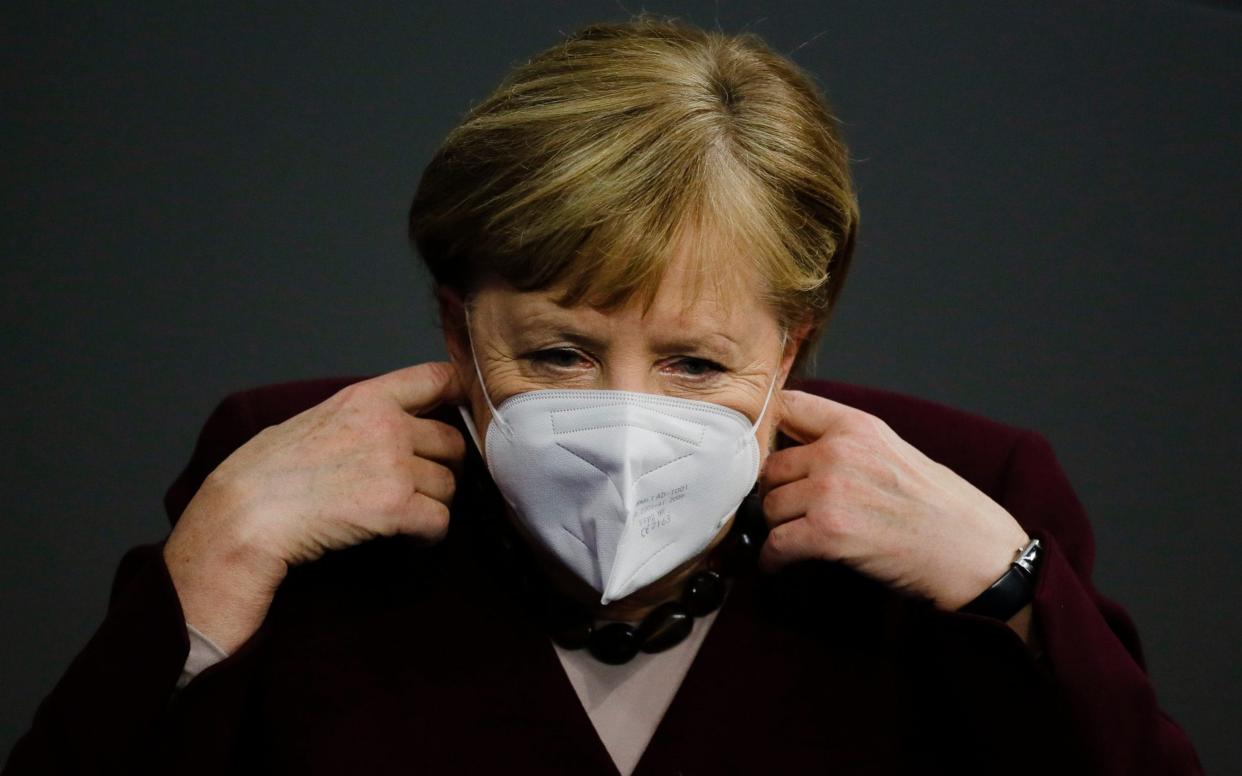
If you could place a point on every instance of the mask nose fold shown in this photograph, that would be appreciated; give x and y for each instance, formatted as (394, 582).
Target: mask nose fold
(624, 441)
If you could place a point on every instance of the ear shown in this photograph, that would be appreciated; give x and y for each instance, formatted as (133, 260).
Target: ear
(793, 346)
(453, 327)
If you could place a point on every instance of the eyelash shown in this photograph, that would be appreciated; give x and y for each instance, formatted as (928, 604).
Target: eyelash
(549, 356)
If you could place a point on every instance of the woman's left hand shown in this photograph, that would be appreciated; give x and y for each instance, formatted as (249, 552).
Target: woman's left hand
(855, 492)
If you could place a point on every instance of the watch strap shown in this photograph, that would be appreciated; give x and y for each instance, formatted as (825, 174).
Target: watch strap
(1012, 591)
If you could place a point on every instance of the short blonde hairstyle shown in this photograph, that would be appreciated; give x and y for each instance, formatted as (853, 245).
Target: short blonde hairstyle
(594, 160)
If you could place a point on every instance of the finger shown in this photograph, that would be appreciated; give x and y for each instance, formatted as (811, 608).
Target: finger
(787, 543)
(789, 502)
(433, 479)
(788, 465)
(438, 441)
(421, 387)
(807, 417)
(424, 517)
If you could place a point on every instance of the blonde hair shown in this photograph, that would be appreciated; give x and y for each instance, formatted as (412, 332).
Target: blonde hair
(593, 161)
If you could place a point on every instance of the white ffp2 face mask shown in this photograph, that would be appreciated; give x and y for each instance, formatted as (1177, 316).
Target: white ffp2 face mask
(621, 487)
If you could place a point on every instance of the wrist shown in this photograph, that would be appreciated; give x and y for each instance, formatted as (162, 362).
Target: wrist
(971, 579)
(226, 604)
(223, 577)
(1013, 590)
(218, 533)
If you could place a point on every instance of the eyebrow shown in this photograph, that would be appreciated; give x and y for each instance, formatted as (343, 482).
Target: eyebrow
(716, 343)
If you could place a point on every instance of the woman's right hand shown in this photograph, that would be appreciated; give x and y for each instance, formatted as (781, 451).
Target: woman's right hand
(358, 465)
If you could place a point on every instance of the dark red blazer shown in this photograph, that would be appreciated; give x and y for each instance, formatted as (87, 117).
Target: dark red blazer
(395, 657)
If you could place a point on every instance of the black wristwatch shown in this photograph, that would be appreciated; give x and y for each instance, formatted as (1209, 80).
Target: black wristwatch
(1013, 590)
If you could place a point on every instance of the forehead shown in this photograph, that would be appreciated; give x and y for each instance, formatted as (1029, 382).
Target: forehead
(699, 294)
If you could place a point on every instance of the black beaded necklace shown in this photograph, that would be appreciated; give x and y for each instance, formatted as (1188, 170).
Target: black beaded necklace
(572, 625)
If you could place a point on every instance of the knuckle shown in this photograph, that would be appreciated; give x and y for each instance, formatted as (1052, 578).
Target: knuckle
(447, 482)
(785, 542)
(435, 372)
(384, 425)
(878, 426)
(445, 436)
(771, 502)
(456, 442)
(866, 424)
(780, 465)
(432, 479)
(435, 520)
(832, 522)
(395, 496)
(353, 394)
(832, 447)
(777, 542)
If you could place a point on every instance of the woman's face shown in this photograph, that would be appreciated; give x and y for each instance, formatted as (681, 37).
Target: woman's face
(722, 345)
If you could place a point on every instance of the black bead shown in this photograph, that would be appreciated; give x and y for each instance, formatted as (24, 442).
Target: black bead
(569, 626)
(666, 626)
(613, 644)
(741, 554)
(704, 593)
(570, 634)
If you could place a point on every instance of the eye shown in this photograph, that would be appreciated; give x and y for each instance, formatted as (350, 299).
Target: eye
(698, 367)
(561, 358)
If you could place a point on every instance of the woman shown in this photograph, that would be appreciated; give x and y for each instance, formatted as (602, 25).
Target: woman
(608, 535)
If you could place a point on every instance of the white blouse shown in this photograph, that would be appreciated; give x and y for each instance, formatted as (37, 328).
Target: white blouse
(627, 702)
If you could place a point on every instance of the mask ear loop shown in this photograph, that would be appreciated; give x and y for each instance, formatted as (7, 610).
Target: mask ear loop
(771, 386)
(465, 411)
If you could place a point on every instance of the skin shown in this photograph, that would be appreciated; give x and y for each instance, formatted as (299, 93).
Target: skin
(364, 464)
(359, 465)
(524, 341)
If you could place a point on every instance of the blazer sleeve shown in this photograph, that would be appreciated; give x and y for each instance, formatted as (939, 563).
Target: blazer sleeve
(114, 709)
(1089, 642)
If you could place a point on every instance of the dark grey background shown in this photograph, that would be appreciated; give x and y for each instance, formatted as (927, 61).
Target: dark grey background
(198, 199)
